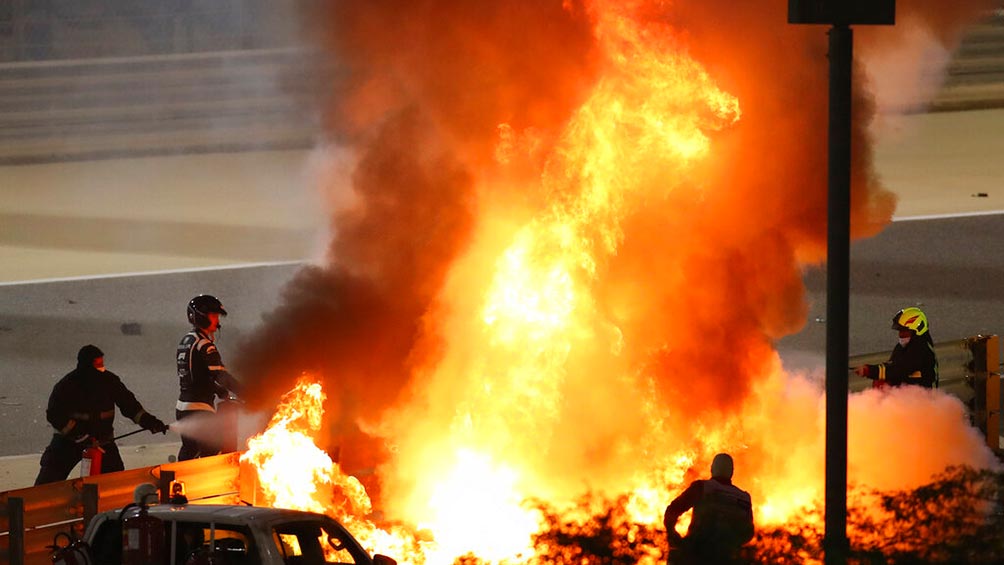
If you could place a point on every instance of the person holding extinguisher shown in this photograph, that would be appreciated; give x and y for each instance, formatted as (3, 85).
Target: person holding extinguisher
(913, 361)
(82, 410)
(202, 378)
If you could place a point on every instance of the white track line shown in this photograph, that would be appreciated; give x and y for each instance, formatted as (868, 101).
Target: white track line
(946, 216)
(283, 263)
(6, 458)
(154, 273)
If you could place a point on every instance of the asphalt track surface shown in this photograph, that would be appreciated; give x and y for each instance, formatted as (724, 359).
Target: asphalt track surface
(952, 267)
(136, 320)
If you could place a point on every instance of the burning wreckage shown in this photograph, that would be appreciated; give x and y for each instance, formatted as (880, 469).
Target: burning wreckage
(561, 212)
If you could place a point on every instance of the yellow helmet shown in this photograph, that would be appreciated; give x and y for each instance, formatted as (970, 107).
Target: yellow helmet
(912, 319)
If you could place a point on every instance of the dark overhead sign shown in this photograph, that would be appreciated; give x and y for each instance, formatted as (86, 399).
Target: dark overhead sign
(851, 12)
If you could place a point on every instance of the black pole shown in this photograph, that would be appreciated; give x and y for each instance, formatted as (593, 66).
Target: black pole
(838, 253)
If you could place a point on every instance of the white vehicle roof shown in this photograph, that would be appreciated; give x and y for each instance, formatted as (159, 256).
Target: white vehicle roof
(225, 513)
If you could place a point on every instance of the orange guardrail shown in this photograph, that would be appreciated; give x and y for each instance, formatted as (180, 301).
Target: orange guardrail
(969, 369)
(30, 518)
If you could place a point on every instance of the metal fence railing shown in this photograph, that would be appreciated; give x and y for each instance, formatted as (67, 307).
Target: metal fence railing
(30, 518)
(969, 369)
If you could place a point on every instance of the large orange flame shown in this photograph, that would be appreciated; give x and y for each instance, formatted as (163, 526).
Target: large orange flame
(292, 471)
(608, 326)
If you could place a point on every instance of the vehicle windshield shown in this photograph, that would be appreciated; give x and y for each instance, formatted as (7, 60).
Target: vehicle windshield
(224, 544)
(194, 542)
(316, 543)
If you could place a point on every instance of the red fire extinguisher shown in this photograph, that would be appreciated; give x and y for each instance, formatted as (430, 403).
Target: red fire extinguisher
(75, 552)
(90, 462)
(142, 537)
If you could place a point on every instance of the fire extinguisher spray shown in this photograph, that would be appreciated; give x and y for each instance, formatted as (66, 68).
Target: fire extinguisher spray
(90, 462)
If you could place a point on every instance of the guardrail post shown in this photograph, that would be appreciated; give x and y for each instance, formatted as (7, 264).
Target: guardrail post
(994, 398)
(985, 375)
(15, 520)
(90, 499)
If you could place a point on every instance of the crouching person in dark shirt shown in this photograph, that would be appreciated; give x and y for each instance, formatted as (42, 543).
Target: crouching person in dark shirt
(913, 361)
(82, 410)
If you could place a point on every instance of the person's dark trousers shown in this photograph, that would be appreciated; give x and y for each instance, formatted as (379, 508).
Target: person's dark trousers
(111, 460)
(191, 446)
(63, 454)
(682, 555)
(689, 552)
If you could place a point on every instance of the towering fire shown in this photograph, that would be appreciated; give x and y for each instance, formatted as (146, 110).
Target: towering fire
(577, 228)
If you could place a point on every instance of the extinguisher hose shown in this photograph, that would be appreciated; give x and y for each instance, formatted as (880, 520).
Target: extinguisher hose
(132, 433)
(55, 541)
(68, 553)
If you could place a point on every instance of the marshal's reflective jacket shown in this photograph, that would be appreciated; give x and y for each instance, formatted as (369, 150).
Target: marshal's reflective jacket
(201, 373)
(915, 364)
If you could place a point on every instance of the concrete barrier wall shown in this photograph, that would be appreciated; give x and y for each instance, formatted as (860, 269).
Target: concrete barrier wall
(36, 30)
(975, 78)
(185, 99)
(158, 105)
(84, 218)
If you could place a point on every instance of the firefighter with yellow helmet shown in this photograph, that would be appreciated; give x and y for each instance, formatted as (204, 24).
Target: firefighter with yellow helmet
(913, 360)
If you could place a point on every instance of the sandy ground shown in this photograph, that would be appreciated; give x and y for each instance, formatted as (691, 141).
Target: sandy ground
(19, 471)
(181, 212)
(157, 213)
(153, 214)
(945, 163)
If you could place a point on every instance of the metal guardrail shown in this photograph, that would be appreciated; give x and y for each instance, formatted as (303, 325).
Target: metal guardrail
(31, 517)
(954, 361)
(969, 369)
